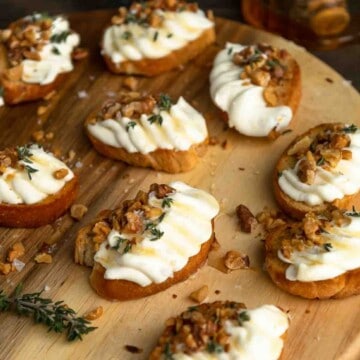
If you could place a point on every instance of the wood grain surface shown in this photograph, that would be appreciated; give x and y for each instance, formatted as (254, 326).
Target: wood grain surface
(241, 173)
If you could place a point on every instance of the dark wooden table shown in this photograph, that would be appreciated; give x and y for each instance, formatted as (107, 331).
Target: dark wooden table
(345, 60)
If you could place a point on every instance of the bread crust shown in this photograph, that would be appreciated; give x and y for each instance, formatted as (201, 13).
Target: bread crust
(177, 58)
(291, 95)
(171, 161)
(42, 213)
(126, 290)
(297, 209)
(339, 287)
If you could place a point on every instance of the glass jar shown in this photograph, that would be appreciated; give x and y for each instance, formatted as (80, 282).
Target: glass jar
(315, 24)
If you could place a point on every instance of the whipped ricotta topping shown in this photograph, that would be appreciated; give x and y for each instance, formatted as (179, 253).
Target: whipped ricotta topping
(16, 186)
(344, 179)
(243, 101)
(55, 56)
(186, 225)
(182, 126)
(258, 338)
(135, 42)
(316, 263)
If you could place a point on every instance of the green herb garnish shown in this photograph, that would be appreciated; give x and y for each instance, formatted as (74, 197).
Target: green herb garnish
(127, 247)
(167, 352)
(214, 347)
(320, 162)
(354, 213)
(167, 201)
(242, 317)
(130, 125)
(273, 63)
(119, 241)
(24, 154)
(192, 308)
(350, 129)
(230, 50)
(55, 50)
(30, 170)
(156, 233)
(57, 316)
(155, 118)
(156, 35)
(169, 35)
(60, 37)
(164, 102)
(328, 247)
(126, 35)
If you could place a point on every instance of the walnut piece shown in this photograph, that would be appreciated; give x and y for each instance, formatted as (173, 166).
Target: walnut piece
(77, 211)
(307, 169)
(43, 258)
(5, 268)
(200, 295)
(300, 147)
(94, 314)
(161, 190)
(16, 251)
(130, 83)
(246, 218)
(235, 260)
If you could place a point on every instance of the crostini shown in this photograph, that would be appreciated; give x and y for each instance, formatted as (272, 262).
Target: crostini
(317, 257)
(35, 187)
(256, 87)
(223, 330)
(319, 168)
(146, 131)
(150, 243)
(153, 37)
(35, 56)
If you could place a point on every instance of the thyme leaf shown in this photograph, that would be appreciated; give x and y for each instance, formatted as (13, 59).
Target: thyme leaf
(350, 129)
(328, 247)
(320, 162)
(156, 35)
(156, 233)
(155, 118)
(167, 201)
(214, 347)
(60, 37)
(242, 317)
(126, 35)
(130, 125)
(57, 316)
(55, 50)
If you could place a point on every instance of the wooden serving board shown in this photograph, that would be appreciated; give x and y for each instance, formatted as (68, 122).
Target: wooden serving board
(319, 329)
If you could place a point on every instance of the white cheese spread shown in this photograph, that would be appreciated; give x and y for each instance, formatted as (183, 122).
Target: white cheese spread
(181, 127)
(21, 186)
(135, 42)
(258, 338)
(344, 179)
(186, 225)
(316, 263)
(243, 102)
(55, 56)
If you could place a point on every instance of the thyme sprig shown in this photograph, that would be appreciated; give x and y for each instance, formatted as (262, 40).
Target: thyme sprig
(214, 347)
(164, 104)
(57, 316)
(130, 125)
(156, 234)
(243, 317)
(328, 247)
(24, 154)
(354, 213)
(167, 202)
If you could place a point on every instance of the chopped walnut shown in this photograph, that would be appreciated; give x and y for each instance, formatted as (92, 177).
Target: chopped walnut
(43, 258)
(16, 251)
(307, 169)
(234, 260)
(38, 136)
(346, 154)
(200, 295)
(94, 314)
(77, 211)
(339, 141)
(161, 190)
(41, 110)
(130, 83)
(260, 77)
(138, 107)
(301, 147)
(100, 230)
(5, 268)
(134, 223)
(270, 96)
(311, 226)
(60, 174)
(246, 218)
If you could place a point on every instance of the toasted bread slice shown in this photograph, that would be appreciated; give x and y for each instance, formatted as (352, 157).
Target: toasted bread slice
(214, 329)
(36, 188)
(176, 59)
(34, 40)
(283, 239)
(42, 213)
(257, 88)
(94, 244)
(164, 42)
(171, 160)
(338, 134)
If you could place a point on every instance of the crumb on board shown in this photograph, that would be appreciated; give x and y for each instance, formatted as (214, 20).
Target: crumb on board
(200, 294)
(77, 211)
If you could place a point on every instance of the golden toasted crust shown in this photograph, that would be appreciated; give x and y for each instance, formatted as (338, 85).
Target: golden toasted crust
(171, 161)
(297, 209)
(42, 213)
(290, 94)
(126, 290)
(341, 286)
(16, 91)
(153, 67)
